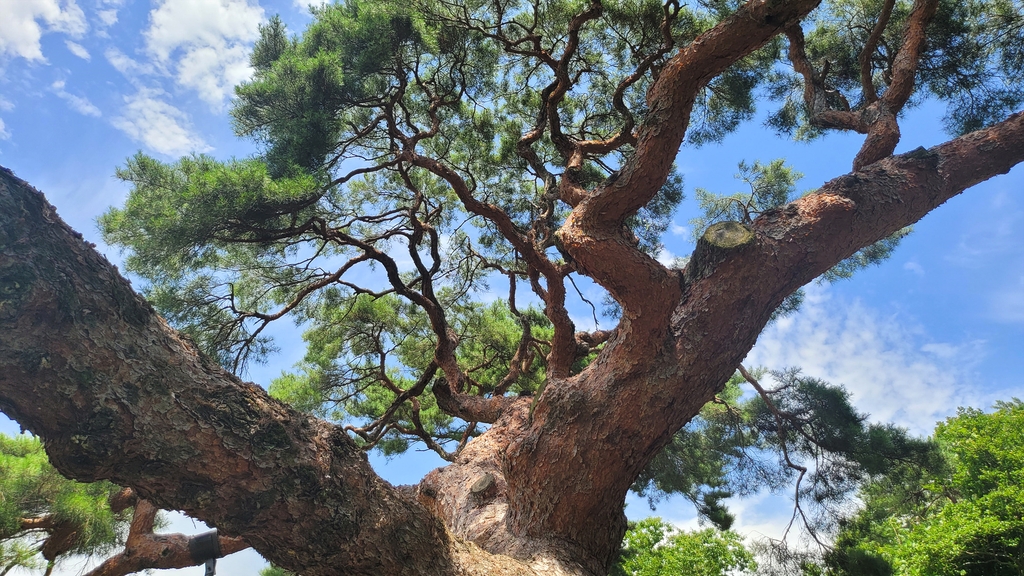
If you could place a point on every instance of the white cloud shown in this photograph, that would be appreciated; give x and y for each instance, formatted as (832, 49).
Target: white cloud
(211, 40)
(77, 103)
(914, 267)
(214, 72)
(124, 63)
(765, 515)
(23, 23)
(942, 350)
(665, 257)
(81, 105)
(679, 230)
(670, 260)
(308, 3)
(77, 49)
(991, 238)
(158, 125)
(107, 17)
(4, 134)
(889, 371)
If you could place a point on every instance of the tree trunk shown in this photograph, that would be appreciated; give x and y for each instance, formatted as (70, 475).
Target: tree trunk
(116, 394)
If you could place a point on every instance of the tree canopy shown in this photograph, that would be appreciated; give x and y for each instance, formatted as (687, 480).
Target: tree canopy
(435, 181)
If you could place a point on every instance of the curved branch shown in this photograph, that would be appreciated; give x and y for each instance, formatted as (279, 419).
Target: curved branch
(671, 99)
(593, 232)
(562, 80)
(144, 550)
(883, 129)
(866, 81)
(469, 407)
(904, 67)
(878, 119)
(116, 394)
(563, 345)
(815, 92)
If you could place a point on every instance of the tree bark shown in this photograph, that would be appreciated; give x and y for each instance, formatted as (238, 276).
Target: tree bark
(144, 549)
(116, 394)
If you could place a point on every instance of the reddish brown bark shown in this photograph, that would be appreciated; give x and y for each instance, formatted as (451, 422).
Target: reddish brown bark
(877, 120)
(144, 550)
(649, 392)
(117, 394)
(87, 365)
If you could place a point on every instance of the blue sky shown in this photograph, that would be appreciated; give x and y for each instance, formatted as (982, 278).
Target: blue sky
(86, 83)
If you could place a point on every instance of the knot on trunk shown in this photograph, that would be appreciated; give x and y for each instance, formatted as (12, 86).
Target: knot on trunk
(718, 242)
(484, 487)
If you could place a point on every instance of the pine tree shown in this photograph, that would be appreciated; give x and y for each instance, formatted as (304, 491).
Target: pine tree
(413, 151)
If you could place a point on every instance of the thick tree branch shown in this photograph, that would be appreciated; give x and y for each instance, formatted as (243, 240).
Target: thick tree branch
(878, 119)
(469, 407)
(592, 234)
(715, 321)
(815, 92)
(89, 366)
(904, 67)
(880, 115)
(144, 550)
(867, 53)
(670, 101)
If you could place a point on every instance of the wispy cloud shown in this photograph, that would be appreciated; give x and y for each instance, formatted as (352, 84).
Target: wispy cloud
(77, 49)
(914, 267)
(993, 237)
(892, 371)
(24, 22)
(77, 103)
(1007, 303)
(125, 64)
(666, 257)
(159, 126)
(4, 134)
(107, 15)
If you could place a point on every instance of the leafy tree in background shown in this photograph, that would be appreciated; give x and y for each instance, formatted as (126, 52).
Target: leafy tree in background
(652, 547)
(435, 181)
(961, 516)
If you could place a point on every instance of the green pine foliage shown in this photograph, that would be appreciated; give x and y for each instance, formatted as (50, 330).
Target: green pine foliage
(78, 515)
(274, 571)
(333, 226)
(811, 435)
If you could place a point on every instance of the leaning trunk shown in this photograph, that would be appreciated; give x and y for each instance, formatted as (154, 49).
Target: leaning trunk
(115, 393)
